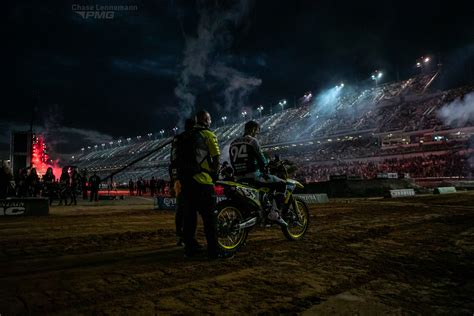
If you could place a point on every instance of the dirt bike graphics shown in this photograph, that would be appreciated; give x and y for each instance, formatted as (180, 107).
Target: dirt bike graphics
(247, 206)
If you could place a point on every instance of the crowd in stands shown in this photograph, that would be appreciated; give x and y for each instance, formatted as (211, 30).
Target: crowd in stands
(363, 147)
(425, 166)
(354, 123)
(352, 136)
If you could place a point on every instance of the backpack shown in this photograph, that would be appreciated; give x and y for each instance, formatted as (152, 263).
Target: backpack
(183, 155)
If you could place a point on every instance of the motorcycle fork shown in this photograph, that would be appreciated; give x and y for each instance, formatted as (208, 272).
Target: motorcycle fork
(289, 195)
(296, 209)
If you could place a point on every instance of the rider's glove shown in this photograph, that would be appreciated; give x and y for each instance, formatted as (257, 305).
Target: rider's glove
(177, 187)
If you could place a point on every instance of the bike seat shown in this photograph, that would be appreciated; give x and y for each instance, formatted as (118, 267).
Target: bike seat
(252, 183)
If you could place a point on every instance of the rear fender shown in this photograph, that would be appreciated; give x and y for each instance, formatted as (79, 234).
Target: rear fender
(240, 193)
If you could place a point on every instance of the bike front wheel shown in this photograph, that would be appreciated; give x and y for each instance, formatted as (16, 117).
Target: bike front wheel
(297, 217)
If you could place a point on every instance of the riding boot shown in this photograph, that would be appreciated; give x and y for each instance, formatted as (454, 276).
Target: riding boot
(274, 214)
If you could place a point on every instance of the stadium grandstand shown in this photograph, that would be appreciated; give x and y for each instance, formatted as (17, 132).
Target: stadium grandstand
(385, 128)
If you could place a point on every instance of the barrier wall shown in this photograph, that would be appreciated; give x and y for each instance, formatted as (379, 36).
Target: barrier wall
(444, 190)
(314, 198)
(169, 203)
(402, 193)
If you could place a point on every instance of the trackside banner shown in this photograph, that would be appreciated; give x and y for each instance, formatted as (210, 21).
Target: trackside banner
(24, 206)
(169, 203)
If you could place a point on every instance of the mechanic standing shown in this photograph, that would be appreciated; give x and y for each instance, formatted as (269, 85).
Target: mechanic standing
(198, 175)
(176, 149)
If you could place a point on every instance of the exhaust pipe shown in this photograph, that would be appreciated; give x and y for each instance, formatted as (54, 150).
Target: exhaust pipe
(248, 223)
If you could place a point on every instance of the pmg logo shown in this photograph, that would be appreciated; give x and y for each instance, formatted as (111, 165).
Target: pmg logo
(101, 12)
(99, 15)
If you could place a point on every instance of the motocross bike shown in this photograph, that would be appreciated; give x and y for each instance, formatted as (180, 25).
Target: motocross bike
(247, 206)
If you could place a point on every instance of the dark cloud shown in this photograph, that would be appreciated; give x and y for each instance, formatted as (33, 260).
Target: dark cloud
(160, 67)
(122, 76)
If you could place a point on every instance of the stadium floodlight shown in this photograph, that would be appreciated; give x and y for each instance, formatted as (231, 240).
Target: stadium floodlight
(376, 75)
(260, 109)
(282, 103)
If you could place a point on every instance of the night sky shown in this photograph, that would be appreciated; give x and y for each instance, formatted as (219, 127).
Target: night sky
(95, 79)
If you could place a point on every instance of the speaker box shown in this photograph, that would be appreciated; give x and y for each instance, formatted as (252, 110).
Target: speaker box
(20, 150)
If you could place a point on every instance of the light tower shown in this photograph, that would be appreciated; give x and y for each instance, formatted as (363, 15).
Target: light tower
(423, 62)
(260, 109)
(376, 76)
(282, 104)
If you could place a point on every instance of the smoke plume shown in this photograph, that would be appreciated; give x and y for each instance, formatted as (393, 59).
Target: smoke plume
(202, 62)
(237, 85)
(459, 112)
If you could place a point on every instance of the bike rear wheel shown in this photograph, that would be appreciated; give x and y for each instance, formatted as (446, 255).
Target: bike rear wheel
(230, 237)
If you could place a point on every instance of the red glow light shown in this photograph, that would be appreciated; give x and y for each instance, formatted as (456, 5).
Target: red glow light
(40, 160)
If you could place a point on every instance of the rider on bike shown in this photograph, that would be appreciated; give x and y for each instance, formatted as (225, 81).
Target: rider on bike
(250, 164)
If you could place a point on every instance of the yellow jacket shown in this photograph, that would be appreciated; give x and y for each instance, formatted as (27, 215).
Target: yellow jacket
(207, 150)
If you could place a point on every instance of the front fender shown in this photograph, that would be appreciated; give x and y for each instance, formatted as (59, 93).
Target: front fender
(295, 183)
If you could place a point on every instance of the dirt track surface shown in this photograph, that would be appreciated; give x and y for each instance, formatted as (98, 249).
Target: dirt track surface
(412, 256)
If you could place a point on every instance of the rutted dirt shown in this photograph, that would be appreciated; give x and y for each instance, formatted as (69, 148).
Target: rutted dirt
(362, 256)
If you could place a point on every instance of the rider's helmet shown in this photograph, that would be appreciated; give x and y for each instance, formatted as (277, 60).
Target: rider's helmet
(252, 128)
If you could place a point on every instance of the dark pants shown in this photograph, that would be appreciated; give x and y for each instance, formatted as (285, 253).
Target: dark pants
(94, 194)
(276, 185)
(199, 198)
(73, 195)
(63, 194)
(179, 219)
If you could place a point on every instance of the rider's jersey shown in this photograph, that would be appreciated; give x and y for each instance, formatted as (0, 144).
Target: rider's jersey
(247, 157)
